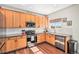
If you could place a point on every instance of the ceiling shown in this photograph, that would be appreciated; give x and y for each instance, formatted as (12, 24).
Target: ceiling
(44, 9)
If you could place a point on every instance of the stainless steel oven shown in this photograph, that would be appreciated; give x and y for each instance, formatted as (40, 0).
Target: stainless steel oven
(31, 38)
(60, 46)
(60, 38)
(60, 42)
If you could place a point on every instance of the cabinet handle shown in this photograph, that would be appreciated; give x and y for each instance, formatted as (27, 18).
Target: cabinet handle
(15, 40)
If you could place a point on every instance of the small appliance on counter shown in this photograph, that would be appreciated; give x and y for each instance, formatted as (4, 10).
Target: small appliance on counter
(72, 46)
(23, 32)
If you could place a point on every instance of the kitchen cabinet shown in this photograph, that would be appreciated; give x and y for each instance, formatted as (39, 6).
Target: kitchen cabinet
(37, 21)
(2, 18)
(9, 18)
(16, 19)
(2, 50)
(43, 22)
(50, 39)
(21, 42)
(22, 20)
(27, 16)
(6, 17)
(2, 45)
(40, 21)
(32, 18)
(10, 44)
(14, 43)
(40, 38)
(46, 21)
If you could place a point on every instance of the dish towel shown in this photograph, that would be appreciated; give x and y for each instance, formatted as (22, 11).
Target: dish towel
(32, 38)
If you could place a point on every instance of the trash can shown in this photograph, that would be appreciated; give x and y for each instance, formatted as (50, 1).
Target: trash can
(72, 46)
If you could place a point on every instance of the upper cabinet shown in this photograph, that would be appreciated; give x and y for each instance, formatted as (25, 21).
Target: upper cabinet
(43, 21)
(46, 21)
(9, 18)
(27, 17)
(32, 18)
(16, 19)
(22, 20)
(2, 18)
(40, 21)
(37, 21)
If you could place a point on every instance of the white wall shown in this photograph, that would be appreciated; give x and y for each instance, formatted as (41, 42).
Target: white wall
(72, 13)
(64, 13)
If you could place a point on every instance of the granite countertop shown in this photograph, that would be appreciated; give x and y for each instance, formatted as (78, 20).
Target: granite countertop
(37, 32)
(61, 34)
(52, 33)
(10, 35)
(15, 35)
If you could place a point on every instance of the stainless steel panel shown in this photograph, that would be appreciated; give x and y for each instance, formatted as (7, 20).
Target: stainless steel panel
(59, 45)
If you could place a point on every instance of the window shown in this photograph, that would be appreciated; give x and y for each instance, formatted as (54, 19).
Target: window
(57, 24)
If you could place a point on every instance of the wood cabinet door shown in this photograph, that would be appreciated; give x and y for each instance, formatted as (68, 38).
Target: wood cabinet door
(21, 42)
(32, 18)
(27, 16)
(10, 44)
(2, 50)
(43, 22)
(2, 18)
(9, 18)
(16, 19)
(47, 37)
(46, 21)
(37, 21)
(2, 45)
(22, 20)
(50, 39)
(40, 38)
(40, 21)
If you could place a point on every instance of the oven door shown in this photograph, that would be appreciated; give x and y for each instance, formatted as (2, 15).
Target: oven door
(60, 38)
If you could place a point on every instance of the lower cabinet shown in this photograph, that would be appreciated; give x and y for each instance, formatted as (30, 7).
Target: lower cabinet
(50, 39)
(40, 38)
(13, 43)
(10, 44)
(21, 42)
